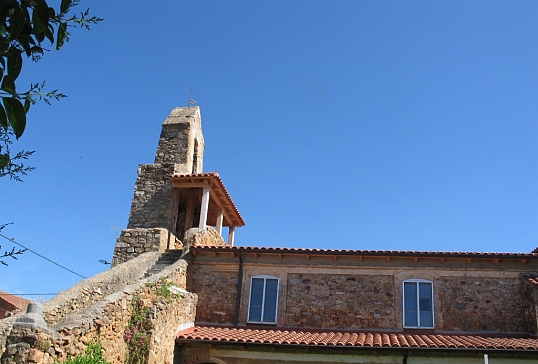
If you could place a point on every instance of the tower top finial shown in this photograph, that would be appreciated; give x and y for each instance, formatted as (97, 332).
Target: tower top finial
(191, 100)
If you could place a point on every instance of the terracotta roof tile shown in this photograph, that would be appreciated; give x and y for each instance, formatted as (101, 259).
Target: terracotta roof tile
(16, 301)
(366, 253)
(355, 339)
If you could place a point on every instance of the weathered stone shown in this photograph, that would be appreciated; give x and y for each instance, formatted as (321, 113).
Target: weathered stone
(33, 317)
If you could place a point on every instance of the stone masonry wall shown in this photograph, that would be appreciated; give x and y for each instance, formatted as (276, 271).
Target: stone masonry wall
(155, 203)
(152, 197)
(94, 289)
(173, 144)
(340, 301)
(199, 237)
(107, 319)
(483, 304)
(363, 298)
(5, 329)
(87, 292)
(181, 142)
(531, 306)
(217, 291)
(134, 242)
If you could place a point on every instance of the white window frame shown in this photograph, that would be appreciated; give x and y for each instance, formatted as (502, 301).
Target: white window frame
(419, 326)
(265, 278)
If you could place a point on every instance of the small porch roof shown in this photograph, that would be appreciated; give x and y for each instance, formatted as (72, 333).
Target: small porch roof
(219, 198)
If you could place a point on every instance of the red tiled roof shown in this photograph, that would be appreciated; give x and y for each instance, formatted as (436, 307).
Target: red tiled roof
(275, 250)
(16, 301)
(11, 301)
(218, 188)
(355, 339)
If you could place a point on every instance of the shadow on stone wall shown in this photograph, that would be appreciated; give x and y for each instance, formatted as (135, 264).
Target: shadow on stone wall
(90, 312)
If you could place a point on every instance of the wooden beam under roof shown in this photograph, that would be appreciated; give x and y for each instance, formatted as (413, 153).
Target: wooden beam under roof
(219, 197)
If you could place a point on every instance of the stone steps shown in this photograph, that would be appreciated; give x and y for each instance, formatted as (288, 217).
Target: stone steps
(166, 259)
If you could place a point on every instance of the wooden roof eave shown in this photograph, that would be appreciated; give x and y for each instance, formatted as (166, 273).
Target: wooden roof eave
(218, 194)
(388, 256)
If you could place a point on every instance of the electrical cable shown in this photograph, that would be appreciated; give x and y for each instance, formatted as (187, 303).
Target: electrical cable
(41, 256)
(27, 294)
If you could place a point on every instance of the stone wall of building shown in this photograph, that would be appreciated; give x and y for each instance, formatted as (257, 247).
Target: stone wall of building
(107, 320)
(483, 304)
(181, 143)
(207, 237)
(155, 203)
(366, 297)
(216, 287)
(530, 297)
(134, 242)
(153, 193)
(340, 301)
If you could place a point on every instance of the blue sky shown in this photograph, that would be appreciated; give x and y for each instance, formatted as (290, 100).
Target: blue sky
(394, 125)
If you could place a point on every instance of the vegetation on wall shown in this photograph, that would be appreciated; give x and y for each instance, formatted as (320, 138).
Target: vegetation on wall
(92, 355)
(138, 331)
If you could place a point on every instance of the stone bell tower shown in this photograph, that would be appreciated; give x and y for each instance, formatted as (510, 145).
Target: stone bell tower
(171, 195)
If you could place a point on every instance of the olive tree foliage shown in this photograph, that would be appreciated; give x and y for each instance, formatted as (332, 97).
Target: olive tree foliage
(28, 29)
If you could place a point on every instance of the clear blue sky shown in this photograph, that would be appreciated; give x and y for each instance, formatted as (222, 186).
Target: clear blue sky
(394, 125)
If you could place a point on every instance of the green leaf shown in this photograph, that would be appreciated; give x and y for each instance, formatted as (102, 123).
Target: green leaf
(65, 5)
(16, 23)
(49, 33)
(39, 27)
(40, 17)
(40, 37)
(27, 30)
(27, 104)
(36, 49)
(23, 40)
(16, 115)
(8, 85)
(3, 117)
(14, 63)
(62, 34)
(4, 45)
(4, 160)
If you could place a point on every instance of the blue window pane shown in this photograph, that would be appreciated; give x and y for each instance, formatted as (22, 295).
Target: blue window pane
(425, 290)
(425, 304)
(426, 319)
(256, 300)
(418, 304)
(269, 312)
(255, 314)
(263, 300)
(410, 289)
(410, 304)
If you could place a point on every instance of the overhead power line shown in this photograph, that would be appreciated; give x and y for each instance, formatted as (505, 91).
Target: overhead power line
(28, 294)
(41, 256)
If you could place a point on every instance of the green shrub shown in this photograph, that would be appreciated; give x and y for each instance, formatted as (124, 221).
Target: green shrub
(92, 355)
